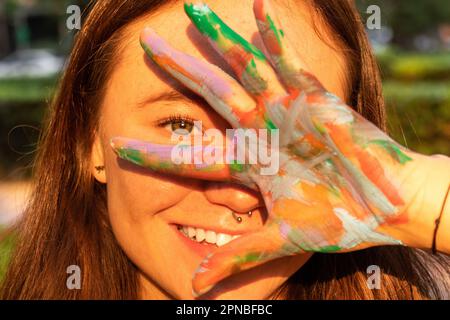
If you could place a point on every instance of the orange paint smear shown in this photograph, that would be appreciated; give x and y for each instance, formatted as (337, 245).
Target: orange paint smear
(313, 141)
(166, 61)
(369, 165)
(271, 43)
(238, 59)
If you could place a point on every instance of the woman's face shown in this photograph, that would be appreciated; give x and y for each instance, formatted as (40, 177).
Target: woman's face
(145, 208)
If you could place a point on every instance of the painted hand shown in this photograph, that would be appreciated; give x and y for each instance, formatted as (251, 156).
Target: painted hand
(340, 178)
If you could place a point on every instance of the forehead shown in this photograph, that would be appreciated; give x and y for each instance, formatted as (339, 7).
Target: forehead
(170, 22)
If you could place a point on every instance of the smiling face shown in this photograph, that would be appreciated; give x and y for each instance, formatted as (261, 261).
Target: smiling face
(153, 216)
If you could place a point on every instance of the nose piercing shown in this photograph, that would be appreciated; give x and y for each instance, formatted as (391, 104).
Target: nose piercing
(239, 219)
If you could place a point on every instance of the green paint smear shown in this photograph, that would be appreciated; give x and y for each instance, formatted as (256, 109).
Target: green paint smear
(136, 157)
(321, 129)
(166, 165)
(250, 257)
(270, 125)
(255, 81)
(329, 249)
(393, 150)
(131, 155)
(205, 20)
(278, 32)
(296, 237)
(252, 71)
(235, 166)
(147, 50)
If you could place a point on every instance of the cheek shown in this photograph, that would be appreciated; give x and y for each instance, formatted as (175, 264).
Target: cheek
(136, 192)
(135, 198)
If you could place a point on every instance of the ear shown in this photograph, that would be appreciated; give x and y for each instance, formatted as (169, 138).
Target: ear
(98, 168)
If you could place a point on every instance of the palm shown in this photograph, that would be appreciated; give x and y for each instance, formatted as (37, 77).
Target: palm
(316, 200)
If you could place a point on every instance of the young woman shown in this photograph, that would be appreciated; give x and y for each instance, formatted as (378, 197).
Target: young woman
(310, 231)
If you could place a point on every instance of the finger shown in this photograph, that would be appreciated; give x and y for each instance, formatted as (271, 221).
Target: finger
(247, 61)
(225, 95)
(285, 59)
(243, 253)
(186, 161)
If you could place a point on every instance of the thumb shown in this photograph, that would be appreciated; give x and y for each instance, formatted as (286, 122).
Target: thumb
(243, 253)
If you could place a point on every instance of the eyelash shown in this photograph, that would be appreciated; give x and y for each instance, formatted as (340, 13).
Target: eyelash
(175, 118)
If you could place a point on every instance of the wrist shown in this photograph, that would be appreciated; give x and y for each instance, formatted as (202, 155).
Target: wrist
(441, 240)
(429, 206)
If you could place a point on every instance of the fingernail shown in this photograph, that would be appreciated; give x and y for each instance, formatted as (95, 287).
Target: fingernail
(114, 143)
(198, 293)
(146, 39)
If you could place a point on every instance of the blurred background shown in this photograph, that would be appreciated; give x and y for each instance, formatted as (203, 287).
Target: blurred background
(412, 46)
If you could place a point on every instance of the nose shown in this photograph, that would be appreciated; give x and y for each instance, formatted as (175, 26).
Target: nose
(236, 197)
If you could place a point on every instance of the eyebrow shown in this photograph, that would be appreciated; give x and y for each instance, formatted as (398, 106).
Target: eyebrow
(168, 96)
(171, 95)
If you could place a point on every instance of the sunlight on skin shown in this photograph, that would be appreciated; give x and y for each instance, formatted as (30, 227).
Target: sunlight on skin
(143, 101)
(348, 186)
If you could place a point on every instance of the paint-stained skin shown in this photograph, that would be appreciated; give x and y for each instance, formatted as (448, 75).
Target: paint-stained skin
(332, 191)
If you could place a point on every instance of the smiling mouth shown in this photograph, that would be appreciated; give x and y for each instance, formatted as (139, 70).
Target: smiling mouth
(206, 236)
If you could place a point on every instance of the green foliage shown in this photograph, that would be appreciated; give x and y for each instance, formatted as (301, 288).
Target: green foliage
(6, 247)
(19, 130)
(419, 115)
(409, 18)
(22, 105)
(413, 66)
(26, 90)
(417, 92)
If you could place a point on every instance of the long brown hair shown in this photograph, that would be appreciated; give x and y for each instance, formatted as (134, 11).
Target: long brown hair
(66, 221)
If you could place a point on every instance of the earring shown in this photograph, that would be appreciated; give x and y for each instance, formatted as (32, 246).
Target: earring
(239, 219)
(99, 168)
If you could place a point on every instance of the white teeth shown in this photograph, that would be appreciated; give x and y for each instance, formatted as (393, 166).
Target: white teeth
(191, 232)
(200, 235)
(223, 239)
(210, 237)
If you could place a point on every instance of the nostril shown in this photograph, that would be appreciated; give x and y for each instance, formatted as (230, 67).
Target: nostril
(238, 198)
